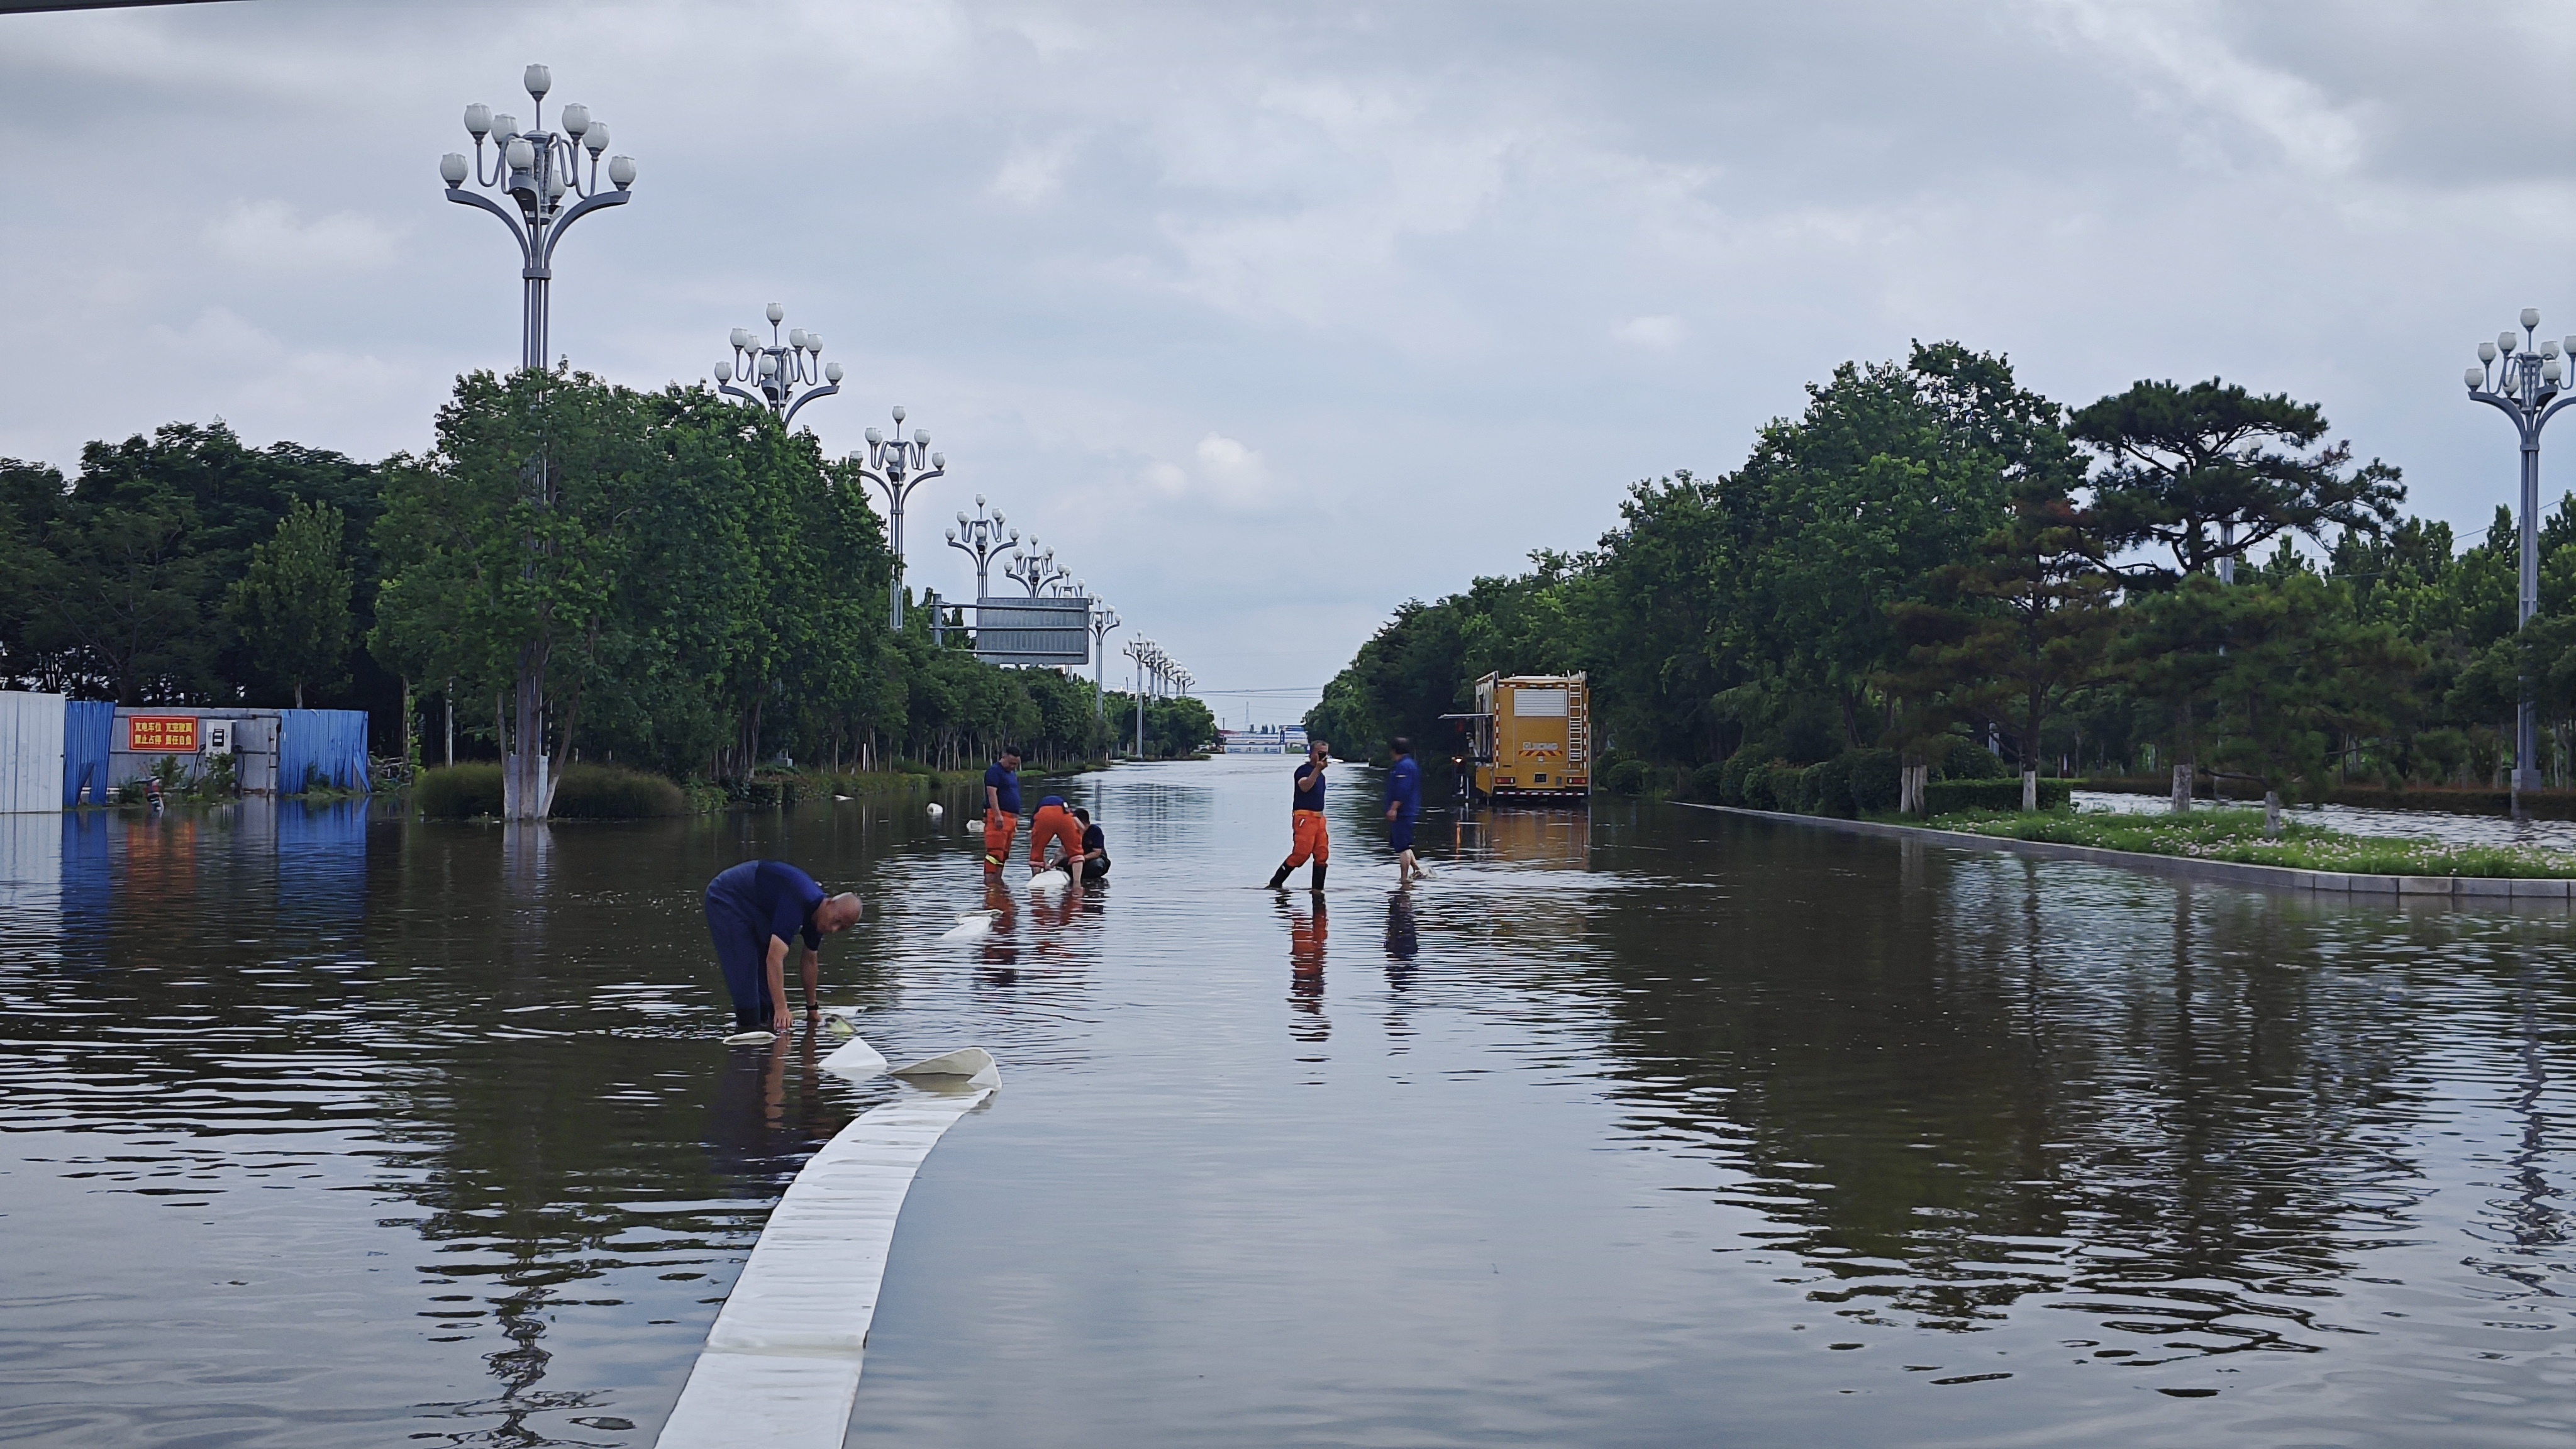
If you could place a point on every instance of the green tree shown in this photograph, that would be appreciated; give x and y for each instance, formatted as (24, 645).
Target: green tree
(290, 607)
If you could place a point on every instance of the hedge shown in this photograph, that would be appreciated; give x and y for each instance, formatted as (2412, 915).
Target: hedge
(613, 792)
(454, 792)
(1943, 796)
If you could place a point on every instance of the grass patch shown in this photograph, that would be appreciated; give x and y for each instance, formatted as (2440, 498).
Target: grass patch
(2237, 835)
(459, 792)
(613, 792)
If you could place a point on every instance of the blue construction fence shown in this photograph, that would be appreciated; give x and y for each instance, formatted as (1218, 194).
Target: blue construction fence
(321, 747)
(89, 735)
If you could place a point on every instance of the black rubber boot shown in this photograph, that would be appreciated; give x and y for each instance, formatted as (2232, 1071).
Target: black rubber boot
(1317, 883)
(1279, 878)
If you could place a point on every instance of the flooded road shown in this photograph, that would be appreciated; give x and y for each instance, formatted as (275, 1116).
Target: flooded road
(1649, 1128)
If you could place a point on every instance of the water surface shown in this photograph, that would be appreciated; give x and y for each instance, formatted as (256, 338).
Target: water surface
(1645, 1128)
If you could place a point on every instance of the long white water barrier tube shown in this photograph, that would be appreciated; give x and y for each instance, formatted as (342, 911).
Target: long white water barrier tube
(781, 1366)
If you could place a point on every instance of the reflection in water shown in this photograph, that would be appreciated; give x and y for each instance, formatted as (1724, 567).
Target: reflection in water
(1703, 1131)
(1307, 931)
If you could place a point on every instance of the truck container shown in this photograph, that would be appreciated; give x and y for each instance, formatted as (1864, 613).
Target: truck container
(1529, 740)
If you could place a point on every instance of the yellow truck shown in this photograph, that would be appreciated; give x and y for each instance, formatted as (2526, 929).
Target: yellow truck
(1529, 740)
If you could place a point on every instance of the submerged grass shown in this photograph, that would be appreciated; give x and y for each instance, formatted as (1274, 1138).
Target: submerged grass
(2237, 835)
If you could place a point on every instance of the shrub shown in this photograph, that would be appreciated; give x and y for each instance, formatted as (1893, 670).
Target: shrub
(1874, 780)
(1708, 784)
(613, 792)
(1943, 796)
(1827, 788)
(1788, 787)
(456, 792)
(1628, 777)
(1968, 760)
(1731, 778)
(1755, 792)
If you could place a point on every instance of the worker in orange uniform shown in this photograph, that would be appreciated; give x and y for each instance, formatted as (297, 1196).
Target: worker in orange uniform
(1306, 819)
(1055, 825)
(1001, 808)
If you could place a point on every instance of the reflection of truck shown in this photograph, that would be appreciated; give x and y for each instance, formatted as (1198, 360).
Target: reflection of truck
(1530, 739)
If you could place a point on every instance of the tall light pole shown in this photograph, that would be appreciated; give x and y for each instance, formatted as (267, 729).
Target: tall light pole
(1140, 649)
(2522, 381)
(1104, 622)
(899, 467)
(980, 538)
(1034, 569)
(537, 170)
(778, 369)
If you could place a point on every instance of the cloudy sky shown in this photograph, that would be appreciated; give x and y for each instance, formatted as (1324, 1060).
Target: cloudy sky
(1269, 317)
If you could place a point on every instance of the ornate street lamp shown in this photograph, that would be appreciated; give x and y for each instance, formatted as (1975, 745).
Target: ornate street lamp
(1104, 622)
(1141, 650)
(1034, 569)
(539, 172)
(980, 538)
(899, 467)
(2523, 381)
(778, 369)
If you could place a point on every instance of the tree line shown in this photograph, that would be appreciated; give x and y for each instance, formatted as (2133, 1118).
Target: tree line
(573, 569)
(2184, 578)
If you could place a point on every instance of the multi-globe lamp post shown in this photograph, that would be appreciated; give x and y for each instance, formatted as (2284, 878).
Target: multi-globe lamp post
(538, 171)
(778, 369)
(1147, 654)
(2525, 380)
(1034, 568)
(981, 539)
(899, 467)
(1104, 622)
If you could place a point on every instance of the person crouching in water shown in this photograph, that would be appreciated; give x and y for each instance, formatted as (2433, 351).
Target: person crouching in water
(1001, 808)
(753, 911)
(1055, 826)
(1306, 819)
(1403, 803)
(1095, 847)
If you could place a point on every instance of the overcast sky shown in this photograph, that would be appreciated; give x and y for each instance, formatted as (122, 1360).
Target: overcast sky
(1270, 317)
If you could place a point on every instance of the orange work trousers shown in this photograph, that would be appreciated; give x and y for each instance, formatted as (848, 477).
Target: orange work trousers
(999, 827)
(1310, 837)
(1054, 823)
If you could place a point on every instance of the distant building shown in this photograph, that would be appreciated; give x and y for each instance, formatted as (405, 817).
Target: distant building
(1270, 740)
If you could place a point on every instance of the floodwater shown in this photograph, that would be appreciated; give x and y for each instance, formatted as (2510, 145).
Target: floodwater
(1655, 1128)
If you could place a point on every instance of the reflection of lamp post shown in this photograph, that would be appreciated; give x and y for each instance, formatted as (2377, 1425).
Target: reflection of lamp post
(536, 169)
(778, 370)
(979, 538)
(1104, 621)
(899, 467)
(2523, 384)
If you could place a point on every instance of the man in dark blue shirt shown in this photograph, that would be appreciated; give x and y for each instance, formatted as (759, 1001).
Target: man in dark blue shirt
(753, 911)
(1403, 803)
(1001, 809)
(1308, 839)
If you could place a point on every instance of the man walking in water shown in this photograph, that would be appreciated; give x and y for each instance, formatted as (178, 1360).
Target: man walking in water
(753, 911)
(1001, 808)
(1403, 803)
(1306, 819)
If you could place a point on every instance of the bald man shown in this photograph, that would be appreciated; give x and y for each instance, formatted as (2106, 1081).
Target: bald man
(753, 911)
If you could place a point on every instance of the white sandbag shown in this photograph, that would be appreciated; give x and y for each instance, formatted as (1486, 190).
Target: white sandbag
(936, 810)
(751, 1038)
(1049, 880)
(856, 1060)
(781, 1365)
(973, 1063)
(972, 926)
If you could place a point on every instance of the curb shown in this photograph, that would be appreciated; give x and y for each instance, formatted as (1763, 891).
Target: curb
(2481, 889)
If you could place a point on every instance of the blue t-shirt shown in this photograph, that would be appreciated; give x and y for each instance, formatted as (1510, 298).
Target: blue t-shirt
(1309, 794)
(1404, 786)
(1006, 780)
(776, 897)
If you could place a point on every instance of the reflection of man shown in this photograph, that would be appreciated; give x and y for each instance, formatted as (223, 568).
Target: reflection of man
(1001, 807)
(1306, 819)
(1306, 936)
(753, 911)
(1403, 803)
